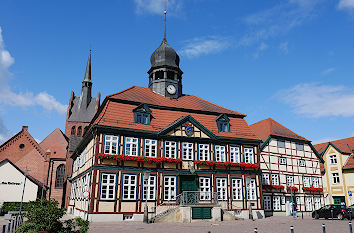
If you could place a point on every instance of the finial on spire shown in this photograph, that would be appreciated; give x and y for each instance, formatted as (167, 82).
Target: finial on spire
(165, 12)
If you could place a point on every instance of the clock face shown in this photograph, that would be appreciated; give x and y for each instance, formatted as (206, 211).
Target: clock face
(171, 89)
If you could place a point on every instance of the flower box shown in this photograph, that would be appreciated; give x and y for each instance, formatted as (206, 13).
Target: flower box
(292, 188)
(312, 189)
(138, 159)
(272, 186)
(227, 164)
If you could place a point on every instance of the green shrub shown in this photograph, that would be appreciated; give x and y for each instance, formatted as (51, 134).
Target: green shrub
(14, 206)
(76, 225)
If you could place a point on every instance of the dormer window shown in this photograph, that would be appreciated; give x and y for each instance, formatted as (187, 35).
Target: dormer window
(223, 123)
(142, 114)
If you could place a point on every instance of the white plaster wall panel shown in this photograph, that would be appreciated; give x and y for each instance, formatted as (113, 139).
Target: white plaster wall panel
(300, 153)
(273, 149)
(282, 179)
(308, 154)
(266, 148)
(293, 145)
(293, 152)
(288, 152)
(273, 166)
(274, 159)
(282, 167)
(287, 144)
(273, 142)
(281, 150)
(302, 169)
(264, 166)
(307, 147)
(308, 163)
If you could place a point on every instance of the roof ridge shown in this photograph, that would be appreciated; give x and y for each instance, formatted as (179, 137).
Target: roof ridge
(108, 96)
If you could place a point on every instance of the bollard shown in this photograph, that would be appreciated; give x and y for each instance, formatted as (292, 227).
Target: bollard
(9, 227)
(350, 227)
(13, 225)
(302, 215)
(332, 214)
(255, 230)
(324, 228)
(291, 229)
(3, 228)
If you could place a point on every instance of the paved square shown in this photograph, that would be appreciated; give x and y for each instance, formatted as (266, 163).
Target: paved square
(268, 225)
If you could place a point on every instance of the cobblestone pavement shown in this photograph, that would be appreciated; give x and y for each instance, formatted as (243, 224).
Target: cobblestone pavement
(268, 225)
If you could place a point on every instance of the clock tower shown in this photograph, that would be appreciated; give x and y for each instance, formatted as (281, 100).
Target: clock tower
(165, 76)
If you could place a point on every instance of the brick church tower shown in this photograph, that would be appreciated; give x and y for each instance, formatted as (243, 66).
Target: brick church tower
(81, 110)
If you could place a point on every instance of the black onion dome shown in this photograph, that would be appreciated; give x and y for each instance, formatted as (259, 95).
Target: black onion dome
(164, 55)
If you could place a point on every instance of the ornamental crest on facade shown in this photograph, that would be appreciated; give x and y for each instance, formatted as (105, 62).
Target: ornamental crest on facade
(188, 129)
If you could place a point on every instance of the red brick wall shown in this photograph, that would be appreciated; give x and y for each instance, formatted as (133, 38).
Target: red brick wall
(55, 193)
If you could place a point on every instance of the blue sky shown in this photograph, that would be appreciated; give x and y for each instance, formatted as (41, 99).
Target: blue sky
(292, 60)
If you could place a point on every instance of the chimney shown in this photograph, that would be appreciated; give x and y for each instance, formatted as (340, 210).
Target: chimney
(24, 128)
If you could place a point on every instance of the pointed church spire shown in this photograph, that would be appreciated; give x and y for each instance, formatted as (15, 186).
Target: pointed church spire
(85, 97)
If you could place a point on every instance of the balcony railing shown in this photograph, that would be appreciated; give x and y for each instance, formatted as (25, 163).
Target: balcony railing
(192, 198)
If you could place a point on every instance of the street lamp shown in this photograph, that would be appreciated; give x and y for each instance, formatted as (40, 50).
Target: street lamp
(23, 192)
(146, 176)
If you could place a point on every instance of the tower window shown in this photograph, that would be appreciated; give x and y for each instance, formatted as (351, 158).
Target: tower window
(170, 75)
(223, 123)
(159, 75)
(142, 114)
(79, 131)
(73, 130)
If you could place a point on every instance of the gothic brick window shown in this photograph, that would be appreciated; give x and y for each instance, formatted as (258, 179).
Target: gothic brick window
(73, 130)
(79, 131)
(59, 180)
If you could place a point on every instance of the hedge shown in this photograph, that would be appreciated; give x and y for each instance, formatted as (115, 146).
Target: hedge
(13, 206)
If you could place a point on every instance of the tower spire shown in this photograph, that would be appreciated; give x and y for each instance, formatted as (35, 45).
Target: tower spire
(88, 69)
(85, 97)
(165, 12)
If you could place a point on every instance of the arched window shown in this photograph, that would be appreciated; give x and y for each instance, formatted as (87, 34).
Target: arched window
(59, 180)
(73, 130)
(79, 131)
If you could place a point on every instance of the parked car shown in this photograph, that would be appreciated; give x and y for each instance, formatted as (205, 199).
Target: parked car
(339, 212)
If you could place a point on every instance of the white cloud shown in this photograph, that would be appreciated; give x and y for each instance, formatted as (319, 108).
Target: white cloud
(284, 47)
(9, 97)
(278, 20)
(346, 4)
(328, 71)
(317, 100)
(203, 46)
(322, 140)
(4, 132)
(262, 47)
(156, 6)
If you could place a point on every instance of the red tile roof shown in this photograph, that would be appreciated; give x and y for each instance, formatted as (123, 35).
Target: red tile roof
(268, 127)
(56, 142)
(118, 114)
(345, 145)
(145, 95)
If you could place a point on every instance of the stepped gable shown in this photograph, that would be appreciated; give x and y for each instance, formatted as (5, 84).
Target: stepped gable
(117, 111)
(270, 127)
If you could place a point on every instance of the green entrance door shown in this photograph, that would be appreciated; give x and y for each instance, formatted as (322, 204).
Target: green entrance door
(187, 183)
(338, 200)
(187, 187)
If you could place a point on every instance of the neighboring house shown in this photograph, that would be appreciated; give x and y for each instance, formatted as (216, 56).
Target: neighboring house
(197, 157)
(12, 184)
(44, 161)
(338, 170)
(290, 170)
(80, 112)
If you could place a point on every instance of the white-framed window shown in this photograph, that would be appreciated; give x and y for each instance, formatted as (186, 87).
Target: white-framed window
(308, 203)
(302, 163)
(275, 179)
(108, 186)
(317, 201)
(131, 146)
(204, 188)
(335, 178)
(282, 161)
(248, 155)
(111, 144)
(307, 181)
(251, 190)
(129, 187)
(281, 143)
(170, 149)
(300, 146)
(150, 148)
(333, 159)
(236, 189)
(289, 180)
(83, 158)
(267, 203)
(72, 191)
(316, 182)
(276, 203)
(149, 188)
(169, 186)
(187, 151)
(235, 154)
(265, 179)
(220, 153)
(204, 152)
(221, 188)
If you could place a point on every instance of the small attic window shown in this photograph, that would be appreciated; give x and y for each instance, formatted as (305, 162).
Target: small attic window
(223, 123)
(142, 114)
(21, 146)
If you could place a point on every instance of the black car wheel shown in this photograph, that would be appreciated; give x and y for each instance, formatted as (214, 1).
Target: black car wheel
(315, 215)
(340, 216)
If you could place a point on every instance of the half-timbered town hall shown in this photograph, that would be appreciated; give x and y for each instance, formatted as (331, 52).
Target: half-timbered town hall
(159, 153)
